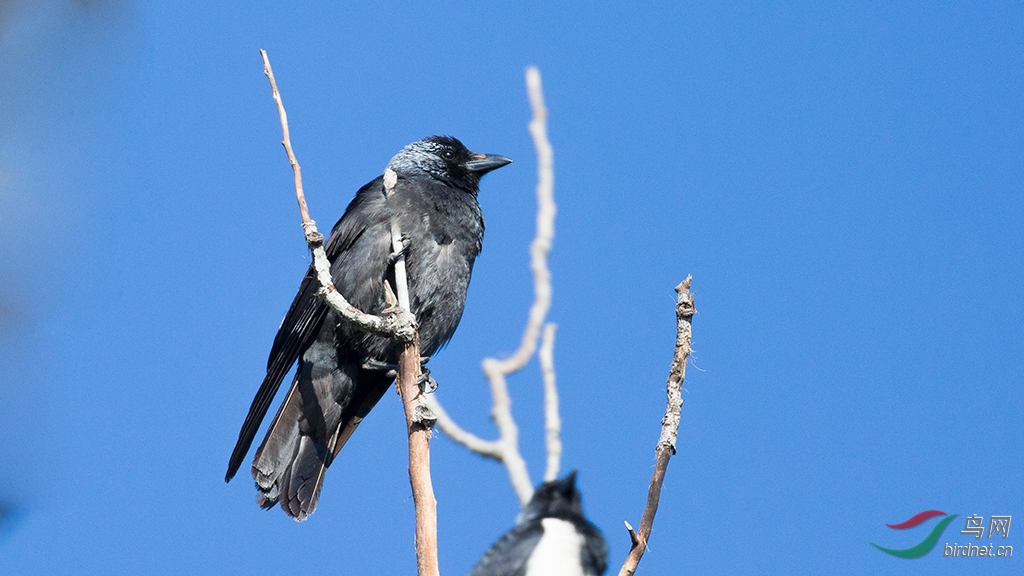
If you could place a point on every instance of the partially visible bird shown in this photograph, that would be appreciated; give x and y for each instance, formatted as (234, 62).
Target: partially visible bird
(343, 371)
(552, 538)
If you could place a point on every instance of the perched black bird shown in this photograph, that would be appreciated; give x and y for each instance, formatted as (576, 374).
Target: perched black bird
(551, 538)
(343, 371)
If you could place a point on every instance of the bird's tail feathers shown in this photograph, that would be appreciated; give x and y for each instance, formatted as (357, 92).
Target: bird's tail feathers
(317, 418)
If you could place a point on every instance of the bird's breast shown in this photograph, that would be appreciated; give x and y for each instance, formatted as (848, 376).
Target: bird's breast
(558, 551)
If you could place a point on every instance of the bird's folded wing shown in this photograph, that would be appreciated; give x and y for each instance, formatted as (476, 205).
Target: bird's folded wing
(300, 324)
(510, 554)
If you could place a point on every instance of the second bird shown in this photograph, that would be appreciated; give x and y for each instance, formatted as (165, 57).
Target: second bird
(343, 371)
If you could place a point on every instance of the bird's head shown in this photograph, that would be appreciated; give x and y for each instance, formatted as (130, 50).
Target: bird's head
(555, 499)
(446, 159)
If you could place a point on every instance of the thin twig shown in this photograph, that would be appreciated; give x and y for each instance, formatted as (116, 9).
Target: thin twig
(287, 142)
(397, 322)
(392, 322)
(669, 426)
(552, 422)
(506, 448)
(508, 432)
(472, 442)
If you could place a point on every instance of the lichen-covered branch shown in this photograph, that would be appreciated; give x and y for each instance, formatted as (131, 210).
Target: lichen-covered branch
(506, 448)
(669, 426)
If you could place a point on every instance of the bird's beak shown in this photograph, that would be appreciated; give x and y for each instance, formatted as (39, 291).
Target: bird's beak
(483, 163)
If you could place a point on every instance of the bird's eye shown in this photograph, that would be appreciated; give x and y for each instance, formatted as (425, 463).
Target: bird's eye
(448, 154)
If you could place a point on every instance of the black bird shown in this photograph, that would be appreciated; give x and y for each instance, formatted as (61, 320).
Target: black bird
(552, 538)
(343, 371)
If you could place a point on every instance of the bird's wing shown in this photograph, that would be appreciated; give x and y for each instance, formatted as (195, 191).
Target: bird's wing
(300, 324)
(510, 554)
(595, 549)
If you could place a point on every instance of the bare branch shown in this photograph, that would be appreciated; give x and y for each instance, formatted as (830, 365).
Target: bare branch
(508, 432)
(392, 323)
(506, 448)
(552, 422)
(669, 426)
(420, 422)
(397, 322)
(541, 245)
(419, 419)
(458, 434)
(287, 141)
(401, 279)
(632, 534)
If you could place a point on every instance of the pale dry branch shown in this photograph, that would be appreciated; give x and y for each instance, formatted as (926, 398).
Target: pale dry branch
(401, 279)
(472, 442)
(669, 426)
(506, 448)
(552, 422)
(419, 419)
(397, 322)
(541, 245)
(287, 141)
(419, 422)
(393, 322)
(508, 432)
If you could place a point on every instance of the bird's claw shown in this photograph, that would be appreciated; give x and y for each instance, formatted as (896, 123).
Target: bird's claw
(426, 383)
(390, 370)
(395, 255)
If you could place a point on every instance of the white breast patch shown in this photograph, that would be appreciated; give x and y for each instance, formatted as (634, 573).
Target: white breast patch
(558, 552)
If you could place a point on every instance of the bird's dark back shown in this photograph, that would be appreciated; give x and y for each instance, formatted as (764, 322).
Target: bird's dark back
(444, 228)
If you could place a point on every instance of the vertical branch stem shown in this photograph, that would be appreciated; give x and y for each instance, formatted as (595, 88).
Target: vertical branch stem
(496, 370)
(508, 431)
(669, 426)
(418, 418)
(541, 245)
(420, 422)
(552, 422)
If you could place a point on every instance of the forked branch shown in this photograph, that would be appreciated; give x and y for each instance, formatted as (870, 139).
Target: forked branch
(506, 448)
(393, 322)
(397, 322)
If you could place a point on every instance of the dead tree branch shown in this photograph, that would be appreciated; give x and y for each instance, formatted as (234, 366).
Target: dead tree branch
(506, 448)
(552, 422)
(418, 418)
(669, 426)
(392, 322)
(396, 322)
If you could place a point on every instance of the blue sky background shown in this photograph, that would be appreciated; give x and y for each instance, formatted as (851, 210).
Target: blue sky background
(843, 182)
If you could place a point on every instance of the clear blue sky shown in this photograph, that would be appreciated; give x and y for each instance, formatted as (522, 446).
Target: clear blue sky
(843, 182)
